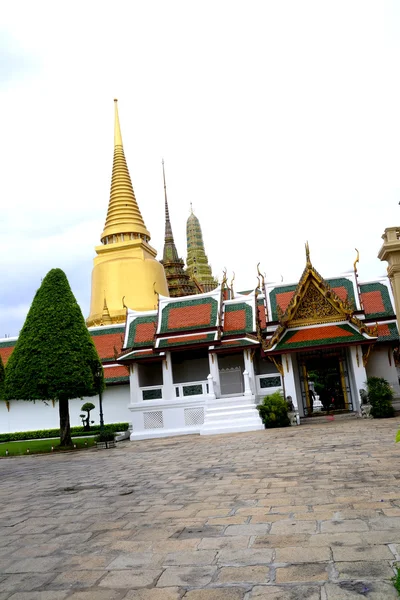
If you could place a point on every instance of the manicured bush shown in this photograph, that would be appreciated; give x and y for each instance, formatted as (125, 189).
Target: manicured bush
(106, 435)
(55, 357)
(2, 378)
(53, 433)
(380, 396)
(274, 411)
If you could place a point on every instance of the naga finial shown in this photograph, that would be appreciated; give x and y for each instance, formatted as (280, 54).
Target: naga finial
(232, 280)
(356, 261)
(308, 255)
(123, 302)
(224, 278)
(262, 277)
(154, 289)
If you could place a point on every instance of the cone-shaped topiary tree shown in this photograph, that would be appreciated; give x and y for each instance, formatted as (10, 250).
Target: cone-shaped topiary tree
(54, 358)
(2, 377)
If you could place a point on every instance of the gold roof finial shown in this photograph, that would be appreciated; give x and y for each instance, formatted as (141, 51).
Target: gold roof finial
(232, 280)
(356, 261)
(105, 316)
(308, 255)
(123, 216)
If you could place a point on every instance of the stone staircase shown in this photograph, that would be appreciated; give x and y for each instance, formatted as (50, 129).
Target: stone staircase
(231, 415)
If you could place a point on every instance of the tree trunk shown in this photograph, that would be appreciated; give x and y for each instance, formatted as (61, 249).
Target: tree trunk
(65, 429)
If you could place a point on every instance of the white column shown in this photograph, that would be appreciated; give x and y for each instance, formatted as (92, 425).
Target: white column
(359, 375)
(135, 393)
(211, 393)
(168, 392)
(214, 372)
(247, 389)
(289, 379)
(249, 367)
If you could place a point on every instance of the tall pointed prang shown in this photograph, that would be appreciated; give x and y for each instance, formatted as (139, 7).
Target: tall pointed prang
(197, 261)
(179, 282)
(123, 217)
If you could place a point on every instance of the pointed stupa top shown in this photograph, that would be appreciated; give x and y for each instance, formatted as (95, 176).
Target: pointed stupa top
(170, 251)
(197, 261)
(123, 216)
(179, 282)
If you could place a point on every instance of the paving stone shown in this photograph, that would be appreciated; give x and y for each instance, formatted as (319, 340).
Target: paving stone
(343, 526)
(247, 529)
(130, 579)
(356, 553)
(277, 541)
(235, 542)
(24, 582)
(32, 565)
(292, 554)
(136, 559)
(77, 579)
(356, 590)
(97, 594)
(231, 593)
(336, 539)
(293, 527)
(248, 556)
(172, 593)
(274, 592)
(304, 572)
(253, 574)
(49, 595)
(364, 570)
(186, 576)
(200, 557)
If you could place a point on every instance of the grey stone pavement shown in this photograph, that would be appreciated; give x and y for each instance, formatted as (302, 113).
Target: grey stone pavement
(309, 512)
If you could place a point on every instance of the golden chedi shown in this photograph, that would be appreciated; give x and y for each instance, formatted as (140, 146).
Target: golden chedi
(125, 272)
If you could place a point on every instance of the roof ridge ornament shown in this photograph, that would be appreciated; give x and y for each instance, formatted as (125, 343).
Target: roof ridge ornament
(309, 265)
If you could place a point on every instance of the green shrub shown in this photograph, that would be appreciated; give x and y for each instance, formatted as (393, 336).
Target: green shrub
(53, 433)
(107, 435)
(274, 411)
(380, 396)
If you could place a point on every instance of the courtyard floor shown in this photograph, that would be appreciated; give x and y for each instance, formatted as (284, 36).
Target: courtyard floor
(302, 513)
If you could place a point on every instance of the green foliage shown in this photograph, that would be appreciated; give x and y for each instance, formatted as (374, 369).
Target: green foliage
(88, 406)
(396, 580)
(40, 446)
(2, 378)
(380, 396)
(55, 357)
(107, 435)
(78, 431)
(274, 411)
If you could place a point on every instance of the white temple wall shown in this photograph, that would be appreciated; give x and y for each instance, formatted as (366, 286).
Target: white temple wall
(29, 416)
(378, 365)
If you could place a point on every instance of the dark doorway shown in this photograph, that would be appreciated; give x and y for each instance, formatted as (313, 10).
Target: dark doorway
(325, 386)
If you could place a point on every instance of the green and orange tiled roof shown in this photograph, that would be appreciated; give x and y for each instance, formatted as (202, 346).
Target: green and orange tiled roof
(108, 342)
(6, 349)
(376, 300)
(387, 332)
(282, 295)
(186, 340)
(310, 337)
(198, 313)
(141, 332)
(116, 374)
(238, 318)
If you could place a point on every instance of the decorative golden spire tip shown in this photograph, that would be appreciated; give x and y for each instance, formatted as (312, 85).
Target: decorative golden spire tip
(308, 255)
(117, 128)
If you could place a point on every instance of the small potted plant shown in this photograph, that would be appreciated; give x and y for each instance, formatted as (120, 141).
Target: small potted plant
(105, 439)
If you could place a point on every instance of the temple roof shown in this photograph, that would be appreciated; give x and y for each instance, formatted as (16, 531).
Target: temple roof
(324, 335)
(376, 300)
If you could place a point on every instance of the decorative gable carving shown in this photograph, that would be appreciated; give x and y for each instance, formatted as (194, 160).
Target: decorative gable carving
(315, 307)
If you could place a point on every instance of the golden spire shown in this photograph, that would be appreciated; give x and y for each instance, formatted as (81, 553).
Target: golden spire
(123, 216)
(105, 317)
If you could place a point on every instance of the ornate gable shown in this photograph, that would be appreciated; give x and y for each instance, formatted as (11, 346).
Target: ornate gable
(313, 303)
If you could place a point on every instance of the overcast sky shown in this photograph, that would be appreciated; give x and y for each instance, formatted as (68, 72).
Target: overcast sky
(278, 120)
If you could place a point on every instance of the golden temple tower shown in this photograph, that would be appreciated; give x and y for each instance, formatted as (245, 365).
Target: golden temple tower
(125, 270)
